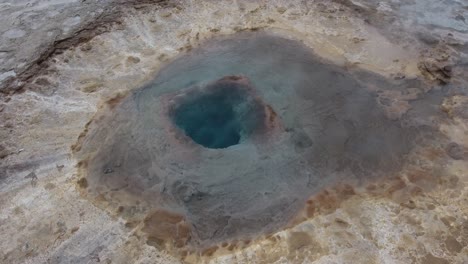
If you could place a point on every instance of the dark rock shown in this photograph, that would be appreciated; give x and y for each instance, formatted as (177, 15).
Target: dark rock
(455, 151)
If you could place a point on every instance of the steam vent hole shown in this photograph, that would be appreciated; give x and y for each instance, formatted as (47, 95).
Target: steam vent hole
(220, 115)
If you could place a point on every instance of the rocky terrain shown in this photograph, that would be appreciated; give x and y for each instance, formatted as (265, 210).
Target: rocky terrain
(68, 66)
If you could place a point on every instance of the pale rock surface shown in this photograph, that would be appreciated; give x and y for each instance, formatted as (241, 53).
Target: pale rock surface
(418, 216)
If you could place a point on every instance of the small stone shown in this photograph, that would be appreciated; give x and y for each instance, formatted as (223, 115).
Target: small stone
(410, 204)
(166, 14)
(3, 152)
(59, 167)
(460, 18)
(42, 81)
(31, 175)
(33, 178)
(86, 47)
(134, 60)
(83, 183)
(455, 151)
(108, 170)
(399, 76)
(281, 10)
(91, 87)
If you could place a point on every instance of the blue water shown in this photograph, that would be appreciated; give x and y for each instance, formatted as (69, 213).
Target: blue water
(210, 120)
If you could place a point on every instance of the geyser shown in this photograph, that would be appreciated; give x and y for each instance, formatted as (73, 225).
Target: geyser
(219, 115)
(161, 157)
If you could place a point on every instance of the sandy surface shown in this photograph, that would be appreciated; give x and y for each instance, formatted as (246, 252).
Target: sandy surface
(58, 70)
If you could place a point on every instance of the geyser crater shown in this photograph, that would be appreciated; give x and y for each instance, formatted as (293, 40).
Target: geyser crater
(221, 114)
(327, 129)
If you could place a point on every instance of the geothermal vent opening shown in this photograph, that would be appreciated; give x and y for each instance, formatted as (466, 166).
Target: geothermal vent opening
(219, 115)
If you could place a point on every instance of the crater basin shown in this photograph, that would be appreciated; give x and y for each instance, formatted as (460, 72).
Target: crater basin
(220, 115)
(230, 140)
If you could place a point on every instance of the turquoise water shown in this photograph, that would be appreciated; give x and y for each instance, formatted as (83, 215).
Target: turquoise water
(211, 119)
